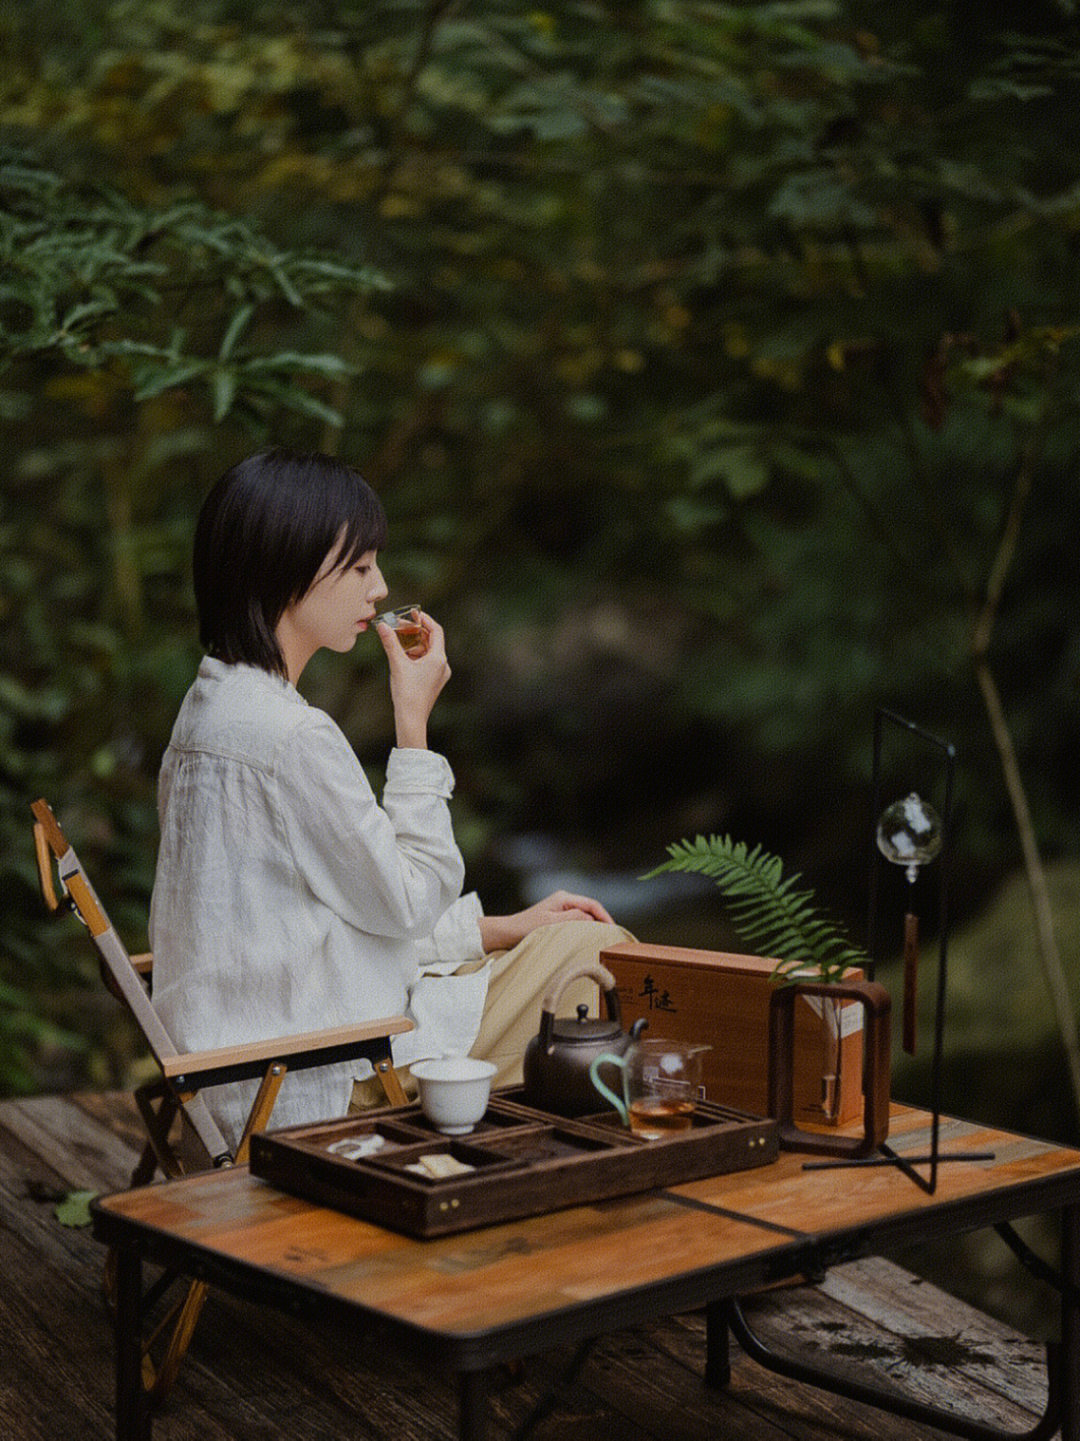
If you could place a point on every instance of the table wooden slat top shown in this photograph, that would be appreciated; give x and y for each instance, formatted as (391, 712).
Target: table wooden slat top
(823, 1201)
(501, 1277)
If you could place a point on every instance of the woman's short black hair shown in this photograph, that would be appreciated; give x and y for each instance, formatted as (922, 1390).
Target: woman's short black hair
(262, 536)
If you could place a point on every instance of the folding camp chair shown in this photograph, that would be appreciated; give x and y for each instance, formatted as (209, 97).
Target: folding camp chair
(174, 1094)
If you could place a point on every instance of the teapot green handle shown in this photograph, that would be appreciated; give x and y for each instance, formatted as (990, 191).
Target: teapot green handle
(608, 1095)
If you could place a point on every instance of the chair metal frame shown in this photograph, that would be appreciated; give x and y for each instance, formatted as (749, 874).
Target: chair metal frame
(175, 1091)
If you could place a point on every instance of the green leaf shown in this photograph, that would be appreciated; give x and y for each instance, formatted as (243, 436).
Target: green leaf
(150, 381)
(74, 1209)
(288, 289)
(1003, 87)
(295, 398)
(223, 386)
(332, 366)
(741, 467)
(237, 325)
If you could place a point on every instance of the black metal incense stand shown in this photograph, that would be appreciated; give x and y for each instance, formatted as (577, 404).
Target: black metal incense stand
(887, 1156)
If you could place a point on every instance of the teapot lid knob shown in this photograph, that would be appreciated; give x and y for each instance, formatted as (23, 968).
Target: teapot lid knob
(583, 1012)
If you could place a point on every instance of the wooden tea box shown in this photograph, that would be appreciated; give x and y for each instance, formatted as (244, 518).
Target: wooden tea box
(722, 999)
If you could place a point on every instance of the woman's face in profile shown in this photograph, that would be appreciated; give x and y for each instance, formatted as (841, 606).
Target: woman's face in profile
(337, 607)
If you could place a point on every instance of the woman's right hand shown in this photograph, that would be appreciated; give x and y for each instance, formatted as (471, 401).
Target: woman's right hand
(500, 933)
(415, 681)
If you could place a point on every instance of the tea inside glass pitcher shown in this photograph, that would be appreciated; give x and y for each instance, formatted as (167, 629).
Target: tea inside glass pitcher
(661, 1085)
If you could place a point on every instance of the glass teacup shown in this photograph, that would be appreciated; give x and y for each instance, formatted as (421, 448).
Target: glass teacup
(407, 625)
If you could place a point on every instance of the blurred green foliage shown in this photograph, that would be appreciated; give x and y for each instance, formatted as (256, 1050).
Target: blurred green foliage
(695, 349)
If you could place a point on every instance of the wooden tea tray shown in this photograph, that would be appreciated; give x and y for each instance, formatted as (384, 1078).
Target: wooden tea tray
(525, 1162)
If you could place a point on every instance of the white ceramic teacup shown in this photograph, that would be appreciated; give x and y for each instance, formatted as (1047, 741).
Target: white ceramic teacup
(453, 1091)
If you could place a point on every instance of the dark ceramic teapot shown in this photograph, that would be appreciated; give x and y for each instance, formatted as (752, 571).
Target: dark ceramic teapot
(557, 1060)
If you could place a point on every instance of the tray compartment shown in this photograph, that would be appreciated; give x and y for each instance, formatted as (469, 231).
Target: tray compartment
(398, 1161)
(397, 1126)
(390, 1132)
(494, 1119)
(701, 1119)
(550, 1143)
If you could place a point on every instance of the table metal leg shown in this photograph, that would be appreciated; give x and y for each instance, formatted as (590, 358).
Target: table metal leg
(717, 1345)
(1070, 1324)
(549, 1400)
(473, 1405)
(132, 1403)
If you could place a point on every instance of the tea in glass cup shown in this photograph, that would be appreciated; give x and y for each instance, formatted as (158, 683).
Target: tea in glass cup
(405, 622)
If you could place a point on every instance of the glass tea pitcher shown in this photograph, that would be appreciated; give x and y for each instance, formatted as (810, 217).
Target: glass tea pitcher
(660, 1085)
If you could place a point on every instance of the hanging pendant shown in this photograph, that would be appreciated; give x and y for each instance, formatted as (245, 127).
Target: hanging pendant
(911, 981)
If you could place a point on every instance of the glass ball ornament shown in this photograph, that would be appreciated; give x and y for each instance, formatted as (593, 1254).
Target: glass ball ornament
(909, 834)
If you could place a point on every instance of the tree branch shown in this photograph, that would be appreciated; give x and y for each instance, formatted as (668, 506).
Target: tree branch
(981, 631)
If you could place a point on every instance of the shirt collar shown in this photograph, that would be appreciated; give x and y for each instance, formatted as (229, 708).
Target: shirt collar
(218, 671)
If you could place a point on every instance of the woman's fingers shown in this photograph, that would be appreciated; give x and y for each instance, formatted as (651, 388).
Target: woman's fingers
(415, 680)
(585, 906)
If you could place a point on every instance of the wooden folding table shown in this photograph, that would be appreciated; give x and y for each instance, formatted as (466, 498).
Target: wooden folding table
(474, 1300)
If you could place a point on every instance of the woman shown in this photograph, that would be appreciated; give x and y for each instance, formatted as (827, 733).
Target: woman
(286, 898)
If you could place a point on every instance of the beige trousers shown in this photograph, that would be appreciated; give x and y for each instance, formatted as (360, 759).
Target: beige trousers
(519, 981)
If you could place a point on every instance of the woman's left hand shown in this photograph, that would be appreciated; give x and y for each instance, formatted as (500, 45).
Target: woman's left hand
(499, 933)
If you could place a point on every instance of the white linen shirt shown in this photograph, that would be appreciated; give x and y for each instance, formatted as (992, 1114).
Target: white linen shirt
(287, 900)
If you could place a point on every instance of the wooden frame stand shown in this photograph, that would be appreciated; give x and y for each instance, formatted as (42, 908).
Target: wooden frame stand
(877, 1036)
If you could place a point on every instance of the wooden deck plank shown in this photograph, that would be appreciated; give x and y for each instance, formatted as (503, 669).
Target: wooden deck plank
(941, 1368)
(786, 1408)
(42, 1390)
(57, 1378)
(254, 1374)
(934, 1325)
(115, 1109)
(80, 1148)
(650, 1378)
(286, 1367)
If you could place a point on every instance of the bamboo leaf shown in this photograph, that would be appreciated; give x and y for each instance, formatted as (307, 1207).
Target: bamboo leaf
(237, 325)
(223, 389)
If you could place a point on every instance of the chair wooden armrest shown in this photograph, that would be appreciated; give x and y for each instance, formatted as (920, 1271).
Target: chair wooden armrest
(298, 1053)
(144, 963)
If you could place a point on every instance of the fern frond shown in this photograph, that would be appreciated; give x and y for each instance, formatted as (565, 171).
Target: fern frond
(767, 908)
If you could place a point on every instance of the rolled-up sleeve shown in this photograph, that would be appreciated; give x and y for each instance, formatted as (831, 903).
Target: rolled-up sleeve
(456, 937)
(390, 870)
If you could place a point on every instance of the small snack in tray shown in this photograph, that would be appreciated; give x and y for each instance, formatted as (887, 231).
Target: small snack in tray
(437, 1165)
(353, 1148)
